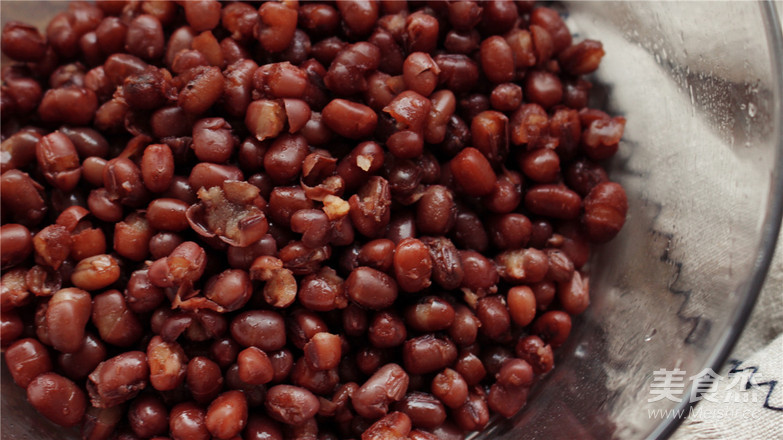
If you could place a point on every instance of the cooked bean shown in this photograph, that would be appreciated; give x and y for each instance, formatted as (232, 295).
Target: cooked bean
(26, 359)
(255, 368)
(553, 201)
(148, 416)
(58, 160)
(16, 244)
(71, 105)
(473, 172)
(66, 317)
(388, 384)
(57, 398)
(277, 23)
(349, 119)
(118, 379)
(473, 415)
(371, 288)
(79, 364)
(227, 415)
(393, 426)
(259, 328)
(23, 42)
(96, 272)
(115, 322)
(167, 364)
(425, 411)
(291, 405)
(535, 352)
(606, 206)
(450, 388)
(186, 421)
(426, 354)
(145, 37)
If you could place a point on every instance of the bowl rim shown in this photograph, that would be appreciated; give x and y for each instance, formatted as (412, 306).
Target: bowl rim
(770, 229)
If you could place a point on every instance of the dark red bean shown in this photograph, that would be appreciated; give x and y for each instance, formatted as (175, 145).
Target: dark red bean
(259, 328)
(371, 288)
(79, 364)
(203, 90)
(118, 379)
(23, 42)
(426, 354)
(550, 20)
(494, 317)
(388, 384)
(22, 198)
(553, 201)
(535, 352)
(480, 272)
(115, 322)
(186, 422)
(227, 415)
(464, 328)
(66, 317)
(57, 398)
(291, 405)
(421, 32)
(99, 423)
(450, 388)
(96, 272)
(543, 88)
(26, 359)
(323, 351)
(167, 364)
(606, 206)
(283, 160)
(276, 26)
(473, 415)
(68, 105)
(202, 15)
(349, 119)
(412, 265)
(387, 330)
(145, 37)
(58, 160)
(16, 244)
(213, 140)
(359, 17)
(497, 60)
(521, 305)
(255, 368)
(260, 427)
(148, 416)
(204, 379)
(523, 265)
(425, 411)
(473, 172)
(11, 328)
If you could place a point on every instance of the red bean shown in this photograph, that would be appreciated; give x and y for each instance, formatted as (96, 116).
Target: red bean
(543, 88)
(497, 60)
(116, 324)
(96, 272)
(57, 398)
(535, 352)
(203, 90)
(66, 317)
(69, 105)
(473, 415)
(276, 26)
(480, 272)
(204, 379)
(493, 315)
(186, 421)
(167, 364)
(450, 388)
(553, 201)
(473, 172)
(259, 328)
(23, 42)
(202, 15)
(349, 119)
(16, 244)
(79, 364)
(371, 288)
(421, 32)
(255, 368)
(291, 405)
(394, 426)
(359, 16)
(426, 354)
(148, 416)
(606, 206)
(412, 265)
(554, 24)
(58, 160)
(26, 359)
(227, 415)
(118, 379)
(388, 384)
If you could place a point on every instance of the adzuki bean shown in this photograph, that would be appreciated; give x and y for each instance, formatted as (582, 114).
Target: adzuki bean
(350, 219)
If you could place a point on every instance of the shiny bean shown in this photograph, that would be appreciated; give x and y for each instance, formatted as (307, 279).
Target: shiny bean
(473, 172)
(349, 119)
(26, 359)
(291, 405)
(606, 206)
(57, 398)
(66, 317)
(186, 422)
(227, 415)
(118, 379)
(427, 354)
(259, 328)
(388, 384)
(167, 364)
(148, 416)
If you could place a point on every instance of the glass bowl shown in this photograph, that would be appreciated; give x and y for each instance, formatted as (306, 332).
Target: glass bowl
(701, 85)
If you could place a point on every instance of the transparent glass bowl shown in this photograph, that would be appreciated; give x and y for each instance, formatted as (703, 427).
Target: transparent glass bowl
(700, 84)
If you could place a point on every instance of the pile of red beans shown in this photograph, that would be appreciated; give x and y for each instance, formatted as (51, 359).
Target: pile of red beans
(296, 220)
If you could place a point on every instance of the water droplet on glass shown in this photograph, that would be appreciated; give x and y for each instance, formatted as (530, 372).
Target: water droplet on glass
(752, 109)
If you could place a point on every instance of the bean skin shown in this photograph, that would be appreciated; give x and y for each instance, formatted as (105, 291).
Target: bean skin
(57, 398)
(427, 354)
